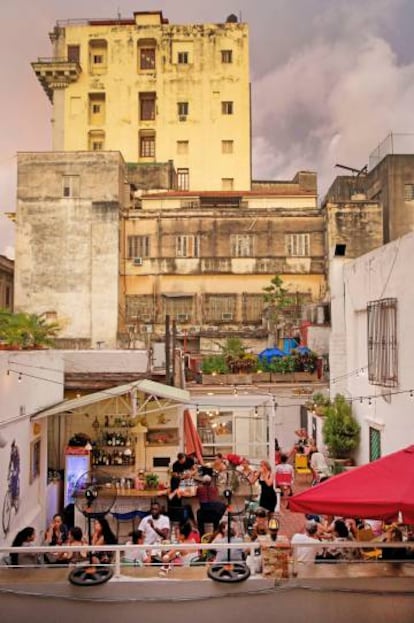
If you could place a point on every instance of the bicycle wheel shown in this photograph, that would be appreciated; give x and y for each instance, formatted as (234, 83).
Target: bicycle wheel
(7, 509)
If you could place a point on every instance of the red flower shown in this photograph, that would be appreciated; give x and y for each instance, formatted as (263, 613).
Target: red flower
(234, 459)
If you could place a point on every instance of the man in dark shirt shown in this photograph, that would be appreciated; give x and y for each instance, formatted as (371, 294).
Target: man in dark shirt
(211, 509)
(179, 467)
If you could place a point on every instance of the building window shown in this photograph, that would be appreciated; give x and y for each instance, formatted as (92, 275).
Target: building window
(70, 185)
(227, 108)
(182, 109)
(98, 53)
(183, 179)
(96, 108)
(147, 106)
(241, 245)
(74, 53)
(374, 444)
(382, 342)
(180, 307)
(408, 192)
(227, 147)
(182, 147)
(227, 56)
(227, 183)
(147, 144)
(182, 58)
(220, 308)
(138, 246)
(297, 245)
(187, 246)
(147, 58)
(139, 308)
(96, 140)
(252, 307)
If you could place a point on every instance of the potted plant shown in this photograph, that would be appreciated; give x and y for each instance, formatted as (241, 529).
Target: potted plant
(341, 431)
(151, 481)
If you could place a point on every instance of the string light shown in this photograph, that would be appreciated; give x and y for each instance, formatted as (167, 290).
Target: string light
(256, 412)
(19, 378)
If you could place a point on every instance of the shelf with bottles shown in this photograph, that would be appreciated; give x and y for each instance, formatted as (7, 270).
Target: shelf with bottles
(116, 439)
(115, 457)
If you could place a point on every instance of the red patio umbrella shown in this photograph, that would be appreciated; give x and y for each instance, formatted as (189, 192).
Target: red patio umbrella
(383, 489)
(192, 439)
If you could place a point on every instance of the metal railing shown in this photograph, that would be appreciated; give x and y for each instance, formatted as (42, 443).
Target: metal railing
(251, 549)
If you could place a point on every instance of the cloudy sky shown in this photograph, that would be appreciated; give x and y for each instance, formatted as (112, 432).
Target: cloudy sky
(330, 78)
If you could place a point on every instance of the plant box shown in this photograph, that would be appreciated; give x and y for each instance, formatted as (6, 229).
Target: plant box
(278, 377)
(261, 377)
(305, 377)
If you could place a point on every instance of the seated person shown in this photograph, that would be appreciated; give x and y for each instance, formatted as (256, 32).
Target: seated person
(394, 535)
(56, 534)
(181, 556)
(135, 555)
(103, 535)
(211, 509)
(24, 538)
(319, 466)
(156, 529)
(284, 473)
(75, 539)
(233, 555)
(306, 555)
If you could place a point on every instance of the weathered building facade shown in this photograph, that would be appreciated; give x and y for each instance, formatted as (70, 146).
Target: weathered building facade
(6, 282)
(204, 258)
(154, 91)
(67, 241)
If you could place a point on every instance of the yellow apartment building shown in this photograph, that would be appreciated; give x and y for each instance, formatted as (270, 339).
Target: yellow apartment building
(155, 92)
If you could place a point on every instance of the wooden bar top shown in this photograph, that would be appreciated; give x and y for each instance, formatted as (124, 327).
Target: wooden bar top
(138, 493)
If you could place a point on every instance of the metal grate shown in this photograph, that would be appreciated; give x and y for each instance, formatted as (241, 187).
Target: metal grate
(382, 342)
(374, 444)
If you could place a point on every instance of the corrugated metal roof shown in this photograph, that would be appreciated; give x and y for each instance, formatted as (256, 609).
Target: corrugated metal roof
(146, 386)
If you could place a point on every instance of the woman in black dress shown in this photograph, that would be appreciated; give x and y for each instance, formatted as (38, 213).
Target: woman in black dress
(268, 493)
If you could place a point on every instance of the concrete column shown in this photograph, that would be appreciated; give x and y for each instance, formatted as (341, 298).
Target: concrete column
(58, 120)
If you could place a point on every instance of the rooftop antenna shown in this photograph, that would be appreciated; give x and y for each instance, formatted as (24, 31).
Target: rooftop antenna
(119, 14)
(356, 172)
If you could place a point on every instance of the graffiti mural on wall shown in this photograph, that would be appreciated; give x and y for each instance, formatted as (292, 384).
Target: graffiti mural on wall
(12, 497)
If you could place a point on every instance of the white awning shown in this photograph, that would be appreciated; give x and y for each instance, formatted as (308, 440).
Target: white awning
(146, 386)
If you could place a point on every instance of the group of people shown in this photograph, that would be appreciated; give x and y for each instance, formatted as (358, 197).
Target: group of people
(321, 530)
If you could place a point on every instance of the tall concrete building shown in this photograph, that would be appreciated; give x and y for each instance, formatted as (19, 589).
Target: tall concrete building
(145, 208)
(154, 91)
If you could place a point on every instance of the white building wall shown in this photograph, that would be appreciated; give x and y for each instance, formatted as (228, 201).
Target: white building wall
(383, 273)
(40, 386)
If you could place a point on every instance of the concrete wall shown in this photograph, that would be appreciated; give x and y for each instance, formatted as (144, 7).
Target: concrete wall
(67, 248)
(383, 273)
(356, 224)
(40, 386)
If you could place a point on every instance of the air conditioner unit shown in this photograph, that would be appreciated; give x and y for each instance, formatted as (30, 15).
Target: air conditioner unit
(137, 261)
(182, 317)
(227, 316)
(182, 117)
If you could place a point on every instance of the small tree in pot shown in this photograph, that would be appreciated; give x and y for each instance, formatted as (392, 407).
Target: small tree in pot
(341, 431)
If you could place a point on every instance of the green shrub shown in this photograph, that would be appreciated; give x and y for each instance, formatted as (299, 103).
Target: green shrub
(341, 431)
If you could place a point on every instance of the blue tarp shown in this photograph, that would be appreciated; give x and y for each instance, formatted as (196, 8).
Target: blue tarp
(303, 350)
(269, 353)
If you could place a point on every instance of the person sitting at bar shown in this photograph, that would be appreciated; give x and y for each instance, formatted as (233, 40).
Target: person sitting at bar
(135, 555)
(75, 539)
(24, 538)
(211, 508)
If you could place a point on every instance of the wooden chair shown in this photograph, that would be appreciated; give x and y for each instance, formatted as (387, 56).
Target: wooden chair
(364, 535)
(302, 466)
